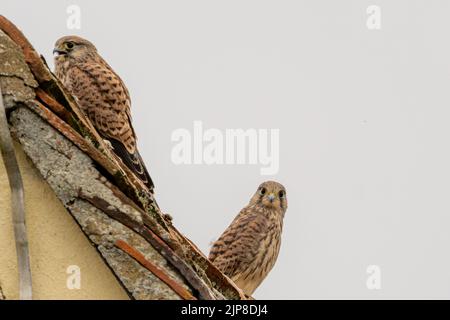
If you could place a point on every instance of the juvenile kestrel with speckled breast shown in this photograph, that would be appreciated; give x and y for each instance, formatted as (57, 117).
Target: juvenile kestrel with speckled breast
(249, 247)
(103, 97)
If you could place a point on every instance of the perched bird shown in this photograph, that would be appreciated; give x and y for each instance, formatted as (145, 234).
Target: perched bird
(103, 97)
(249, 247)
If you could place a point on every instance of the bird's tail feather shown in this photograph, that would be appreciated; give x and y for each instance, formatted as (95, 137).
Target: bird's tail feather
(134, 162)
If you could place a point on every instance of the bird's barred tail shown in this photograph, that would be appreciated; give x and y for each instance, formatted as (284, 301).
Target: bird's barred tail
(134, 162)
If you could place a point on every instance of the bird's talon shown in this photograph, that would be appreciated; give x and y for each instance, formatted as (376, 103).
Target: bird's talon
(108, 143)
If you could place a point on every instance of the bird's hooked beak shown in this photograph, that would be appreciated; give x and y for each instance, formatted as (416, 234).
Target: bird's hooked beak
(58, 52)
(271, 197)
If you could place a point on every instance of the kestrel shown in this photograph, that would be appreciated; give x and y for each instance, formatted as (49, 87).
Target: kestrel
(249, 247)
(102, 96)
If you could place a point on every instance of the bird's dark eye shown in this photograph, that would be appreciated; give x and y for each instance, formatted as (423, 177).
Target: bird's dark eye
(69, 45)
(281, 194)
(262, 191)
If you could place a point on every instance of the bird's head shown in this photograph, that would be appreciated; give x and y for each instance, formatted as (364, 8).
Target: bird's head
(271, 194)
(72, 47)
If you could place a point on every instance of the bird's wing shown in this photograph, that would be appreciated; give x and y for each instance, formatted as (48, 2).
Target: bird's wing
(125, 92)
(112, 101)
(239, 243)
(106, 101)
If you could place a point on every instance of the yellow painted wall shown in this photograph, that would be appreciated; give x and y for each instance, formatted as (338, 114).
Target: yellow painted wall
(56, 242)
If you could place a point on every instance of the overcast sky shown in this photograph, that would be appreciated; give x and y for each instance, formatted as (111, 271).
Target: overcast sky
(362, 116)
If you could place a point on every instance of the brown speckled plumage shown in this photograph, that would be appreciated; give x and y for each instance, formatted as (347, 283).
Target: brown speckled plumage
(103, 97)
(249, 247)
